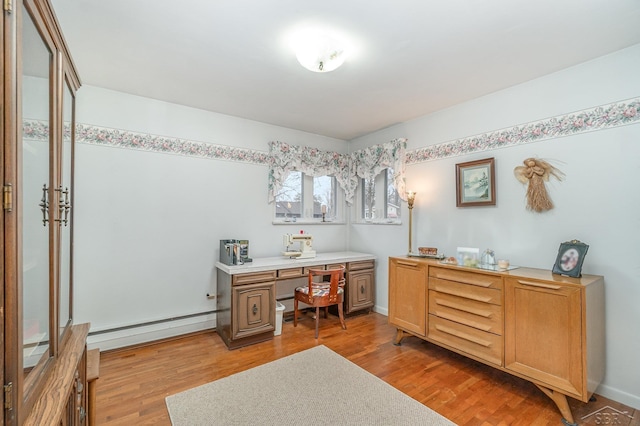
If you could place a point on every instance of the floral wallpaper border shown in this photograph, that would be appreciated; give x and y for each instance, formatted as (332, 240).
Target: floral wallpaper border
(598, 118)
(602, 117)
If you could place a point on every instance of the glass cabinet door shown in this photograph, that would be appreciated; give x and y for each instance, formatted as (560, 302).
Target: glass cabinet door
(36, 202)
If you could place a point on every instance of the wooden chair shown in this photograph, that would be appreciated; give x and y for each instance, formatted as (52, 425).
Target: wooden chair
(321, 294)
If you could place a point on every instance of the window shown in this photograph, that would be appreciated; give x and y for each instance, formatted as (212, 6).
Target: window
(293, 204)
(289, 198)
(380, 198)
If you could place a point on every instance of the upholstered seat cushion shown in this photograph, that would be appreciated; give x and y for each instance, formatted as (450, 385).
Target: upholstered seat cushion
(318, 290)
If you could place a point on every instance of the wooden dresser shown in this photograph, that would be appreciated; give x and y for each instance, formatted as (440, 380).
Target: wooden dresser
(536, 325)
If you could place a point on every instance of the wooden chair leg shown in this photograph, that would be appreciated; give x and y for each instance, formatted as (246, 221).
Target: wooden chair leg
(326, 312)
(317, 320)
(295, 312)
(341, 315)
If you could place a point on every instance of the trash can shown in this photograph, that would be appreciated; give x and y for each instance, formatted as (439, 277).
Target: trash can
(279, 315)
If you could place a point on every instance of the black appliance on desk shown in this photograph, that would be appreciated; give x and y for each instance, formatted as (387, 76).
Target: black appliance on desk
(234, 252)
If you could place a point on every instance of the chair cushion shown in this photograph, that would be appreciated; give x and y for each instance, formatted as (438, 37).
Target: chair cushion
(319, 290)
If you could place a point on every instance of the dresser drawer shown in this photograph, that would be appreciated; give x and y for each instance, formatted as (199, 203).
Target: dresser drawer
(471, 278)
(483, 345)
(479, 294)
(480, 315)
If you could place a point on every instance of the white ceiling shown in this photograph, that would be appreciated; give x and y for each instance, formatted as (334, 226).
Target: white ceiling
(411, 57)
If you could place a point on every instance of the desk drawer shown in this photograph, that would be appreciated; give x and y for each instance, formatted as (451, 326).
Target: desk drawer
(364, 264)
(335, 266)
(480, 315)
(290, 273)
(483, 345)
(254, 277)
(471, 278)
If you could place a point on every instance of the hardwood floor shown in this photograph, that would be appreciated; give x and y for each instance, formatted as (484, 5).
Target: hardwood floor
(134, 382)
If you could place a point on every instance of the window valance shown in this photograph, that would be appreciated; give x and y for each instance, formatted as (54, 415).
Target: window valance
(346, 168)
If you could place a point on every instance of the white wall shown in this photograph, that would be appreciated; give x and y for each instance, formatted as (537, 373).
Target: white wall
(597, 203)
(148, 224)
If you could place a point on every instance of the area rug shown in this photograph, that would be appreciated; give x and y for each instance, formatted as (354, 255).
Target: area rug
(313, 387)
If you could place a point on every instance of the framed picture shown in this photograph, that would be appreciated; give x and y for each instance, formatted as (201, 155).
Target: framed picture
(476, 183)
(570, 257)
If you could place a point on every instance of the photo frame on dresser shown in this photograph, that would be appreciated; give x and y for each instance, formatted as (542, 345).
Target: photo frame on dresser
(570, 258)
(476, 183)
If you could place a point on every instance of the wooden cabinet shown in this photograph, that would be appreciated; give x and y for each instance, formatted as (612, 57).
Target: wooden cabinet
(360, 286)
(43, 366)
(253, 309)
(550, 333)
(246, 307)
(539, 326)
(408, 296)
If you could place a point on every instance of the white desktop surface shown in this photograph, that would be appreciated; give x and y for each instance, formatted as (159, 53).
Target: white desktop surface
(280, 262)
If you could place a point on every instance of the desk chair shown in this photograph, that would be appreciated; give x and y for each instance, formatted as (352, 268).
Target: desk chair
(321, 294)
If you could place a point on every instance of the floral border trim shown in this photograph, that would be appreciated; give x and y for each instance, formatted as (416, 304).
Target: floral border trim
(598, 118)
(146, 142)
(602, 117)
(95, 135)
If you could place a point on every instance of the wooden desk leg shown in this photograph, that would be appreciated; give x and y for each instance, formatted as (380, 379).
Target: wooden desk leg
(562, 404)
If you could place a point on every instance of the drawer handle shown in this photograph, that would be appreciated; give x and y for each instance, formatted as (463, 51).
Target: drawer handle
(533, 284)
(465, 295)
(464, 336)
(362, 289)
(465, 321)
(480, 312)
(477, 281)
(255, 309)
(404, 263)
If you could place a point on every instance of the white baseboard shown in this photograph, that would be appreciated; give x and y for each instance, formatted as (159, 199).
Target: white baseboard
(619, 396)
(381, 310)
(148, 333)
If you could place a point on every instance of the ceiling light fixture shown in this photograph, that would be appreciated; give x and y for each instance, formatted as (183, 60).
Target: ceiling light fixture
(320, 53)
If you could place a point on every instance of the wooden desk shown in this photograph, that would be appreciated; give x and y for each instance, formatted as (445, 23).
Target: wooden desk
(247, 294)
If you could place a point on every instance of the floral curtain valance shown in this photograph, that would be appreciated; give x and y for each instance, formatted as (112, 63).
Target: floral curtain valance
(372, 160)
(346, 168)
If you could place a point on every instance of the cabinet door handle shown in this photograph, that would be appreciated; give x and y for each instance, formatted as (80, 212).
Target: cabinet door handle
(255, 309)
(534, 284)
(362, 289)
(44, 205)
(404, 263)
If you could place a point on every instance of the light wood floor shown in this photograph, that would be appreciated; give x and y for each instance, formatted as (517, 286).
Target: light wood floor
(134, 382)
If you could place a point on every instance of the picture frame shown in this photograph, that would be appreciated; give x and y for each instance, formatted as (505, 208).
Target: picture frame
(476, 183)
(570, 257)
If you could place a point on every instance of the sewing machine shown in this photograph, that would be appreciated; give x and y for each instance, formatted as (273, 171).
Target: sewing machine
(306, 246)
